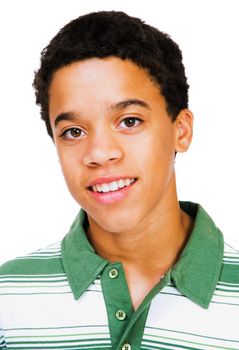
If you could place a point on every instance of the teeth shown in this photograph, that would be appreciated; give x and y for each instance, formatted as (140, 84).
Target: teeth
(127, 182)
(121, 183)
(105, 188)
(112, 186)
(98, 188)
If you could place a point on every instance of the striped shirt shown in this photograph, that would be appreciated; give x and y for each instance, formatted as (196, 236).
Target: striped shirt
(67, 297)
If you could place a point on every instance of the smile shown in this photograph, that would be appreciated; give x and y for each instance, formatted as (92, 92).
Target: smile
(112, 186)
(111, 189)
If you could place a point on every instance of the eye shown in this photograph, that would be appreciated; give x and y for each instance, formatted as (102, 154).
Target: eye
(130, 122)
(72, 134)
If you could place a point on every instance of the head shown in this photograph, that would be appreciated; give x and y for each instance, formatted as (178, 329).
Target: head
(104, 34)
(113, 95)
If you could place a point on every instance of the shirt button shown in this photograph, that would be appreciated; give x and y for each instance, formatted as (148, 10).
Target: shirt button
(113, 273)
(120, 315)
(126, 346)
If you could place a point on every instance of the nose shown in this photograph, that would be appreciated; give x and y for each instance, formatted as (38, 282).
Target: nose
(102, 149)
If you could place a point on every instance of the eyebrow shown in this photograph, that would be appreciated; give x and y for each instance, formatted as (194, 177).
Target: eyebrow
(130, 102)
(116, 106)
(64, 116)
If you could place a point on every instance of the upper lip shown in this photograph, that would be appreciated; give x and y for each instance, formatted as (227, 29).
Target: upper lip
(107, 179)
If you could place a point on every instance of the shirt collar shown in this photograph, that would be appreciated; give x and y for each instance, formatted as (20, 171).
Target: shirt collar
(198, 269)
(195, 274)
(82, 265)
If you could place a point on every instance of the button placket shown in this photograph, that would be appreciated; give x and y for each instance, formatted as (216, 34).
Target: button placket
(120, 315)
(118, 303)
(113, 273)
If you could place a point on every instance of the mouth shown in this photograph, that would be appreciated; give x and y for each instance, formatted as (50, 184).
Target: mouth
(112, 191)
(112, 186)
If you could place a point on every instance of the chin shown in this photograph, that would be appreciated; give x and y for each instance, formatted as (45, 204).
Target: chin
(116, 223)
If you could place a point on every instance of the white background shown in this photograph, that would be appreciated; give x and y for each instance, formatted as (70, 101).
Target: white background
(36, 209)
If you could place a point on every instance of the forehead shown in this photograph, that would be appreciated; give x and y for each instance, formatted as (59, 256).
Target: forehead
(100, 81)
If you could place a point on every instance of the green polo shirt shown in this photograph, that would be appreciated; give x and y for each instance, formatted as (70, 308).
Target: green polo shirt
(68, 297)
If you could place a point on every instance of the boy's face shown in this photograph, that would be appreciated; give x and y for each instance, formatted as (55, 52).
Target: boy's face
(110, 124)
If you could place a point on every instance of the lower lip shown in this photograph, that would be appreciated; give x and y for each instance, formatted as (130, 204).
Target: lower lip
(111, 197)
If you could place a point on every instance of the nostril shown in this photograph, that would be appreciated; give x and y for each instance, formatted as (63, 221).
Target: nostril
(101, 155)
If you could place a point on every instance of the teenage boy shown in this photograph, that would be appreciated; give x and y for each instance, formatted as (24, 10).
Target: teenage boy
(138, 269)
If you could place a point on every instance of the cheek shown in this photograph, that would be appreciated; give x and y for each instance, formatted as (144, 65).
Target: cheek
(157, 149)
(157, 161)
(73, 178)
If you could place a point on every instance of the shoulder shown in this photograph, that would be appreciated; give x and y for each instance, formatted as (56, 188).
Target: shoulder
(230, 266)
(227, 289)
(25, 284)
(43, 261)
(229, 250)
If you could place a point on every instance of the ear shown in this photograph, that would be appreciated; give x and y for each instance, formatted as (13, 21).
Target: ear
(183, 130)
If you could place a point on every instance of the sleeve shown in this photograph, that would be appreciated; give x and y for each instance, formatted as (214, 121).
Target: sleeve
(2, 340)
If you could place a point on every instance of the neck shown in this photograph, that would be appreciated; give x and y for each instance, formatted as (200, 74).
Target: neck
(154, 246)
(148, 250)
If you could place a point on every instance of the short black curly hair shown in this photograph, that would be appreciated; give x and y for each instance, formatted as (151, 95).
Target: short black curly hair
(114, 33)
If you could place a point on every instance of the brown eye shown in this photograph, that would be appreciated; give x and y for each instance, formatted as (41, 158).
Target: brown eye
(73, 133)
(130, 122)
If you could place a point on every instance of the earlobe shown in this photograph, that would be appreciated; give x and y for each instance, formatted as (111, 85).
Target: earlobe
(183, 130)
